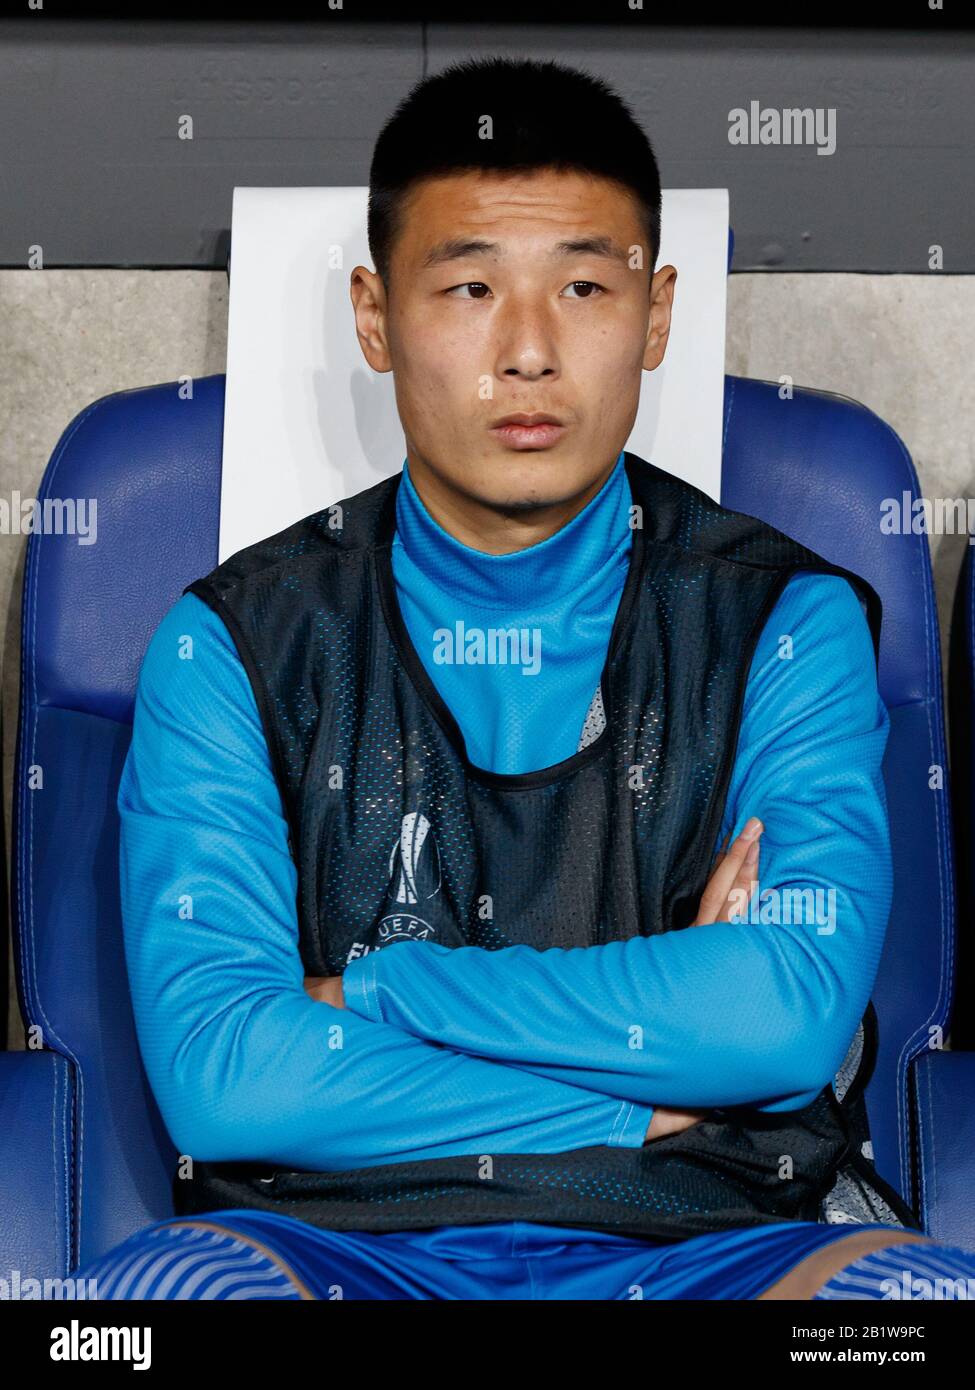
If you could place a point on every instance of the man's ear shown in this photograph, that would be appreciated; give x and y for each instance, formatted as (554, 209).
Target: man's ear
(368, 295)
(662, 288)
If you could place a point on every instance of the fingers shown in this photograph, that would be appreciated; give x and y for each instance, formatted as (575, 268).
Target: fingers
(734, 878)
(746, 881)
(666, 1120)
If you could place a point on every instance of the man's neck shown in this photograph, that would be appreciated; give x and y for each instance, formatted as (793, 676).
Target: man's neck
(495, 530)
(573, 560)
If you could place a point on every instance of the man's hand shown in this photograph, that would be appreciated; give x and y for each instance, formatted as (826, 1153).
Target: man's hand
(327, 989)
(731, 885)
(734, 877)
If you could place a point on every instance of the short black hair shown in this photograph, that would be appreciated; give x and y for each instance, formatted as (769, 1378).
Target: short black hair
(544, 115)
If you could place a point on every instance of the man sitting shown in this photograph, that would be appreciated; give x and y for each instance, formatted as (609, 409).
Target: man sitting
(439, 985)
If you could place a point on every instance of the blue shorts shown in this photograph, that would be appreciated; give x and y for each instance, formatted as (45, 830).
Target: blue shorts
(278, 1256)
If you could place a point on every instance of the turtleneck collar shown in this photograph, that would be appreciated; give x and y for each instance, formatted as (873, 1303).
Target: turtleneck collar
(534, 577)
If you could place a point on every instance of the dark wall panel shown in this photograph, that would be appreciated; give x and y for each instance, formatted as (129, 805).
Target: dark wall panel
(92, 168)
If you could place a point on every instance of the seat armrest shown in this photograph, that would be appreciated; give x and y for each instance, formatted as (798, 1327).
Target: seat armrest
(36, 1207)
(944, 1122)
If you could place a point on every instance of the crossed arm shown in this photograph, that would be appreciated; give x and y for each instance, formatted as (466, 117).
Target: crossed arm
(752, 1012)
(447, 1059)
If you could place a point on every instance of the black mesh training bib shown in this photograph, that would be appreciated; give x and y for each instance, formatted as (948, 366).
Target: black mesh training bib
(615, 841)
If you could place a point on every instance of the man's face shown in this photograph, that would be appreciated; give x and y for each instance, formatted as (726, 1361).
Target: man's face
(552, 311)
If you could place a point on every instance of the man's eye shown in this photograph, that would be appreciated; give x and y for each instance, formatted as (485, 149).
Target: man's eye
(588, 288)
(588, 285)
(470, 285)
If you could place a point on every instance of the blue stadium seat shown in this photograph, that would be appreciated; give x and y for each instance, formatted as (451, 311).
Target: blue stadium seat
(818, 466)
(85, 1160)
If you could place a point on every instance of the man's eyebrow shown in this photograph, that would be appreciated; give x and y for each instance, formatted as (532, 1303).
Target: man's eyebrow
(459, 248)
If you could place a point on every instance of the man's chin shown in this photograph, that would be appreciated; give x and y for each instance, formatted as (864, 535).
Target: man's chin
(519, 481)
(521, 495)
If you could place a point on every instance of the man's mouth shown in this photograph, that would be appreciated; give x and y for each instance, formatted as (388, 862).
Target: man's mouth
(528, 431)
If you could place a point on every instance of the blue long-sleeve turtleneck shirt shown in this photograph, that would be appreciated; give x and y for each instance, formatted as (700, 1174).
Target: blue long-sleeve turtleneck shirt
(563, 592)
(435, 1053)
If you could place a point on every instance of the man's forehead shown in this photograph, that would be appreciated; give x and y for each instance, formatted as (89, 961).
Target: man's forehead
(464, 204)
